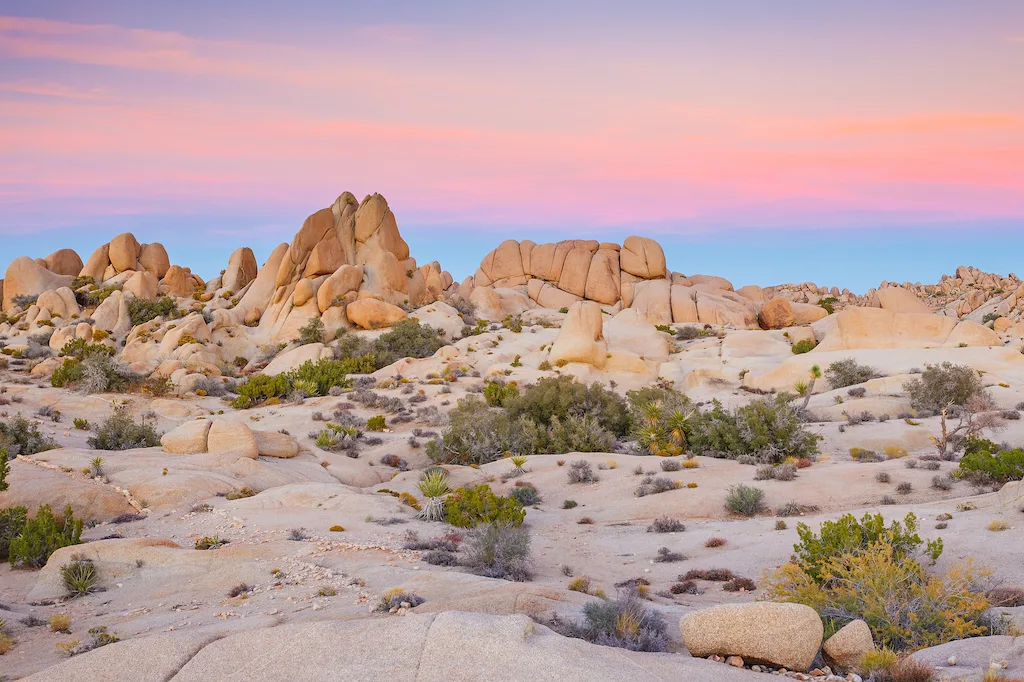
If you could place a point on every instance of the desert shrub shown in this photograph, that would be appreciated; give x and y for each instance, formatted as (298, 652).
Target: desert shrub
(711, 543)
(498, 392)
(499, 549)
(906, 607)
(739, 584)
(477, 434)
(942, 385)
(19, 436)
(652, 485)
(5, 469)
(94, 373)
(669, 465)
(318, 378)
(769, 430)
(575, 433)
(984, 462)
(376, 423)
(142, 310)
(12, 523)
(848, 535)
(665, 524)
(563, 396)
(120, 431)
(658, 420)
(667, 556)
(580, 471)
(905, 488)
(943, 482)
(259, 388)
(469, 507)
(393, 599)
(407, 339)
(526, 495)
(883, 477)
(745, 500)
(775, 472)
(689, 333)
(804, 346)
(312, 332)
(209, 542)
(847, 372)
(79, 576)
(42, 536)
(625, 622)
(858, 392)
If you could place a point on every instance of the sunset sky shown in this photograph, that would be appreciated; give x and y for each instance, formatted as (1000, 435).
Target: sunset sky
(839, 142)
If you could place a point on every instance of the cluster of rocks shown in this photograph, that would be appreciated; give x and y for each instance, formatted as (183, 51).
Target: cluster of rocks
(228, 438)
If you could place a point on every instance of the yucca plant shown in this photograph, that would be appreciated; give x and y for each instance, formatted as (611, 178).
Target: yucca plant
(96, 466)
(79, 576)
(518, 461)
(434, 486)
(326, 439)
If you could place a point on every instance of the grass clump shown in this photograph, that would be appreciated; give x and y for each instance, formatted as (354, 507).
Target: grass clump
(848, 372)
(581, 471)
(804, 346)
(625, 622)
(59, 622)
(745, 500)
(79, 576)
(120, 431)
(499, 550)
(210, 542)
(397, 598)
(665, 524)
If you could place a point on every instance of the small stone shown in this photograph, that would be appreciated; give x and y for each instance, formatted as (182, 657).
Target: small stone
(734, 661)
(952, 660)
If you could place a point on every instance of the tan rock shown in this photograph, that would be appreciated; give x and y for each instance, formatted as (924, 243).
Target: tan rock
(376, 227)
(124, 252)
(711, 282)
(304, 291)
(60, 302)
(64, 262)
(603, 283)
(503, 262)
(575, 270)
(1001, 324)
(97, 263)
(274, 444)
(787, 635)
(684, 304)
(807, 313)
(371, 313)
(847, 646)
(231, 439)
(581, 338)
(187, 439)
(153, 258)
(345, 279)
(630, 330)
(900, 300)
(143, 284)
(326, 257)
(642, 257)
(26, 277)
(877, 328)
(178, 282)
(653, 298)
(720, 309)
(753, 292)
(776, 314)
(241, 269)
(549, 296)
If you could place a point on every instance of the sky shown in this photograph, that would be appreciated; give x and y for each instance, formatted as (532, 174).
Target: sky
(841, 142)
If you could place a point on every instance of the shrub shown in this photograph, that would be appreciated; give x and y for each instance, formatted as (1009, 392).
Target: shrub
(848, 372)
(580, 471)
(575, 433)
(569, 504)
(942, 385)
(81, 424)
(526, 495)
(997, 525)
(883, 477)
(769, 430)
(433, 485)
(906, 607)
(715, 542)
(12, 523)
(477, 434)
(689, 333)
(469, 507)
(497, 393)
(905, 488)
(79, 576)
(665, 524)
(42, 536)
(654, 485)
(142, 310)
(375, 423)
(393, 599)
(499, 549)
(739, 584)
(983, 462)
(625, 622)
(59, 622)
(804, 346)
(563, 397)
(312, 332)
(745, 500)
(407, 339)
(209, 542)
(658, 420)
(667, 556)
(318, 378)
(121, 432)
(847, 535)
(5, 468)
(19, 436)
(669, 465)
(259, 388)
(942, 482)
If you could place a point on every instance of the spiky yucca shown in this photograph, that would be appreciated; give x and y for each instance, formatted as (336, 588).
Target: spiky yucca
(434, 486)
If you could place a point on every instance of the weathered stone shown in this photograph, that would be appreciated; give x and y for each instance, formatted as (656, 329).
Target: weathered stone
(847, 646)
(188, 438)
(231, 439)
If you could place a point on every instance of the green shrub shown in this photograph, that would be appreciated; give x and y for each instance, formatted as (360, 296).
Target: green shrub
(658, 420)
(769, 430)
(95, 297)
(942, 385)
(848, 372)
(142, 310)
(313, 332)
(564, 396)
(19, 436)
(804, 346)
(375, 423)
(81, 423)
(575, 433)
(827, 303)
(42, 536)
(12, 523)
(259, 388)
(499, 550)
(407, 339)
(121, 432)
(625, 622)
(469, 507)
(94, 373)
(847, 535)
(79, 576)
(79, 281)
(477, 434)
(525, 495)
(80, 349)
(984, 462)
(497, 393)
(513, 323)
(5, 469)
(69, 373)
(322, 375)
(744, 499)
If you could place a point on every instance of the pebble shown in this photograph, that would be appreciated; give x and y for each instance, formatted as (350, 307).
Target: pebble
(952, 660)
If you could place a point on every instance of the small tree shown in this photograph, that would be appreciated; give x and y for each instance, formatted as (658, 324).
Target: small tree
(313, 332)
(44, 535)
(972, 419)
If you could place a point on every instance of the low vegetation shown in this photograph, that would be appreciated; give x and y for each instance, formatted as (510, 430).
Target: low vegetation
(499, 549)
(470, 507)
(43, 535)
(940, 386)
(120, 431)
(848, 372)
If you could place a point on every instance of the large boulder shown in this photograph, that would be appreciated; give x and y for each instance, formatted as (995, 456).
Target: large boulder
(603, 282)
(60, 302)
(275, 444)
(344, 280)
(371, 313)
(630, 330)
(642, 257)
(787, 635)
(581, 338)
(153, 259)
(63, 262)
(178, 282)
(855, 328)
(143, 284)
(241, 269)
(900, 300)
(232, 439)
(97, 263)
(727, 309)
(653, 299)
(187, 439)
(25, 277)
(776, 314)
(807, 313)
(684, 304)
(124, 252)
